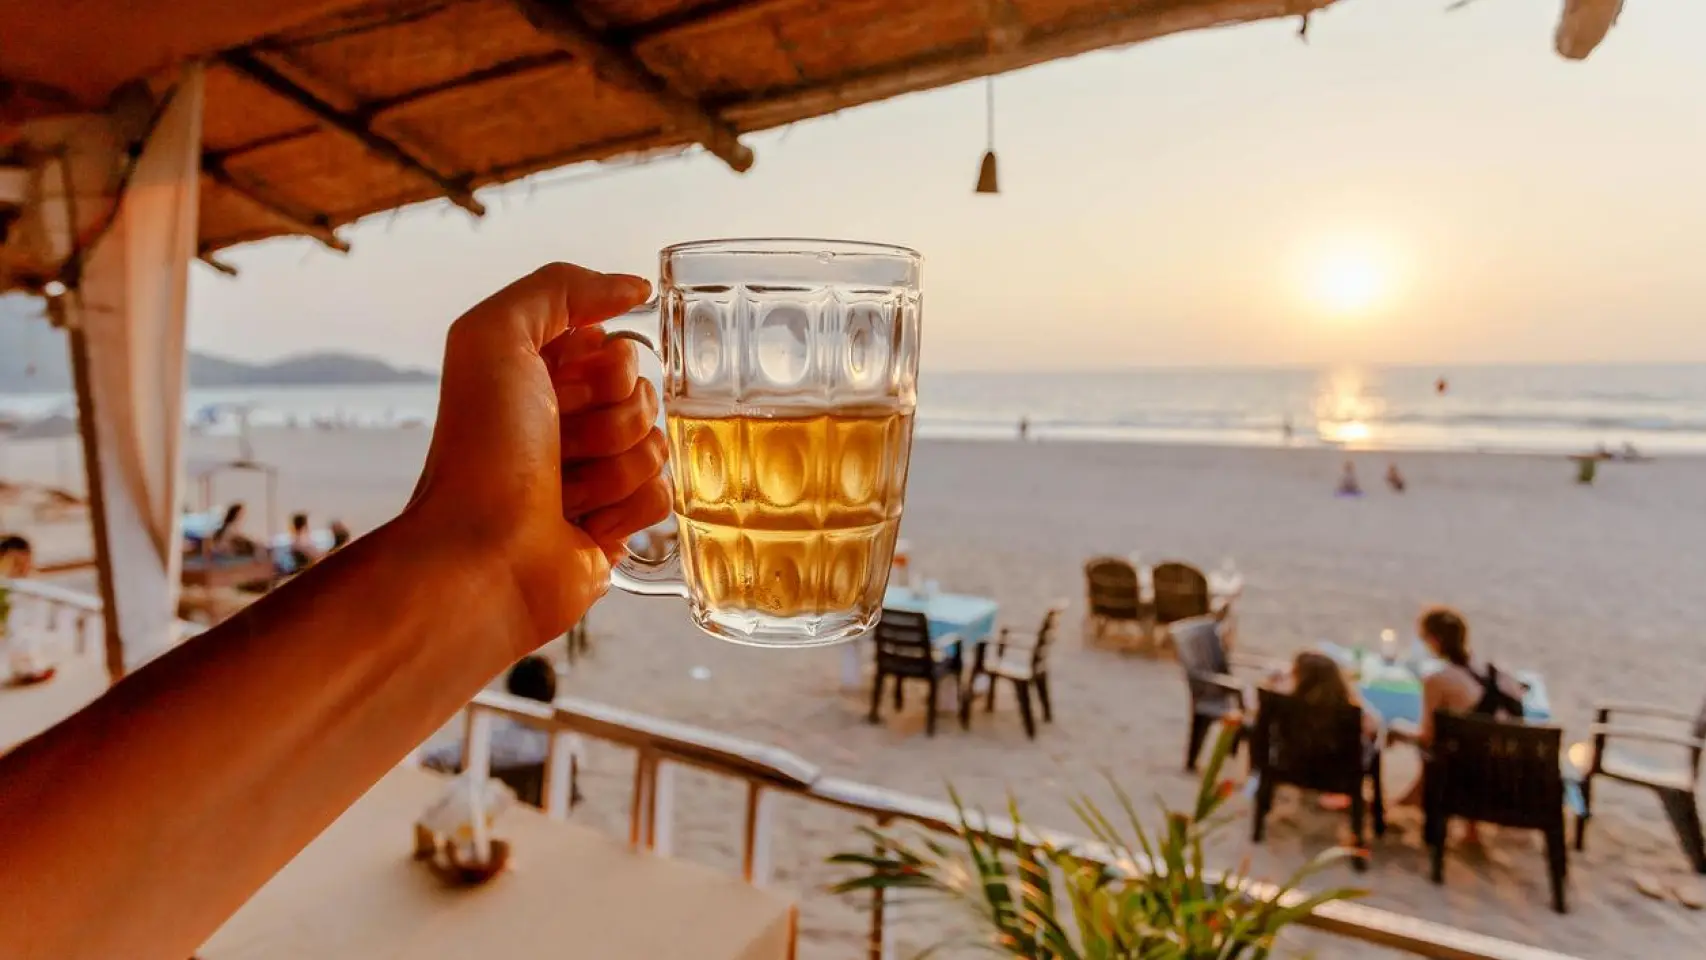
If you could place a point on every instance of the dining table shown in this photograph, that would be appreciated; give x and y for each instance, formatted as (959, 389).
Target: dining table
(955, 618)
(356, 892)
(1394, 687)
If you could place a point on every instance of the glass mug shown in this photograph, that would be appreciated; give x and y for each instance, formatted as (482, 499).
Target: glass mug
(790, 371)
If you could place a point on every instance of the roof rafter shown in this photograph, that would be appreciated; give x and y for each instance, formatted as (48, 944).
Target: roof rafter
(354, 127)
(617, 63)
(318, 227)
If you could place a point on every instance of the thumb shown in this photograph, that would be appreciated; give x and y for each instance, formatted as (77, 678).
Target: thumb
(536, 309)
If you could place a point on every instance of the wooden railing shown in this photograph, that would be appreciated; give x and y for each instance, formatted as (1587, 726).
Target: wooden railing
(83, 613)
(770, 773)
(59, 608)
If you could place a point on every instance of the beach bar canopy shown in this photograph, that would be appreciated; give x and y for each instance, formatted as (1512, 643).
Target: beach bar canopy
(137, 136)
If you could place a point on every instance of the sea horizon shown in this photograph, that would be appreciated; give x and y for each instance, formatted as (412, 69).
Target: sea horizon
(1504, 407)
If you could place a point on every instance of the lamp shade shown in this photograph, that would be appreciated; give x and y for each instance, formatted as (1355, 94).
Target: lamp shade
(986, 179)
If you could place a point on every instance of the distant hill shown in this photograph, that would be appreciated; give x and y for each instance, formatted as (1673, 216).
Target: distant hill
(33, 360)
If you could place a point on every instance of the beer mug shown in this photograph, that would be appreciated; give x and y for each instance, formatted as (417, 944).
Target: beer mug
(790, 372)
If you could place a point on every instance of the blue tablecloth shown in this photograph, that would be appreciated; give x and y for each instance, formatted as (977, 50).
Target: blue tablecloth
(972, 618)
(1395, 689)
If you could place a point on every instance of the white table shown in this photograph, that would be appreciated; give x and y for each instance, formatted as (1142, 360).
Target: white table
(355, 892)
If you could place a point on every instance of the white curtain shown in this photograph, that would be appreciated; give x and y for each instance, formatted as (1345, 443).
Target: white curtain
(127, 320)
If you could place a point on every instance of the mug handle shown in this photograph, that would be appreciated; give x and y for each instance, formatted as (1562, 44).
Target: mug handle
(634, 573)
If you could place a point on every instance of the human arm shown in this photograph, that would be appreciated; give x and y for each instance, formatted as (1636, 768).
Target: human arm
(136, 827)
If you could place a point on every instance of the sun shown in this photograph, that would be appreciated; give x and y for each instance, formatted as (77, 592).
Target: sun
(1350, 281)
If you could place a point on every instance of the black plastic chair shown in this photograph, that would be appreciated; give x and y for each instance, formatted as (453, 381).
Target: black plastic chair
(1215, 692)
(1312, 748)
(1499, 772)
(1024, 665)
(1112, 591)
(905, 652)
(1676, 782)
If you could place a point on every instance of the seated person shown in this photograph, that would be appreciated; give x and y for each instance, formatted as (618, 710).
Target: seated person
(518, 751)
(1394, 479)
(1458, 687)
(340, 534)
(1316, 681)
(17, 558)
(302, 548)
(1348, 485)
(228, 539)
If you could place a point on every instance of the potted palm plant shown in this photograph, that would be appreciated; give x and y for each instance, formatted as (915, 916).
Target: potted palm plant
(1135, 892)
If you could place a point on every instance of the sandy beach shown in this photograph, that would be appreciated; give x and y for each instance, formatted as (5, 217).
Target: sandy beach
(1595, 587)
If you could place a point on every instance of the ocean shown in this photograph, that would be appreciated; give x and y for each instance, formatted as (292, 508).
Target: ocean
(1659, 408)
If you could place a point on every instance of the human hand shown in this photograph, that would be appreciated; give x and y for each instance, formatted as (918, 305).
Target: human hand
(544, 458)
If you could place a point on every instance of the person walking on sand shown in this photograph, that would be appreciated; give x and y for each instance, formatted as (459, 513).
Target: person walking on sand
(1024, 428)
(118, 833)
(1394, 479)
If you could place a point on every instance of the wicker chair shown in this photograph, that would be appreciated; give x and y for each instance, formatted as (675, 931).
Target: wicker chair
(1181, 592)
(1500, 772)
(1302, 745)
(1113, 593)
(1024, 665)
(906, 652)
(1676, 783)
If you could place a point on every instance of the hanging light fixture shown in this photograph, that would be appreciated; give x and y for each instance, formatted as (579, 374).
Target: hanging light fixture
(986, 179)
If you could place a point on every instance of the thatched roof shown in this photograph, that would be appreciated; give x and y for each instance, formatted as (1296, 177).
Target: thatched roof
(324, 111)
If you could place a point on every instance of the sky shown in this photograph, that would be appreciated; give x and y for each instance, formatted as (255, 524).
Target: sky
(1412, 185)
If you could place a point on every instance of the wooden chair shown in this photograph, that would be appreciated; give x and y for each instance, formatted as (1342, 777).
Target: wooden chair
(1500, 772)
(1113, 594)
(1675, 782)
(1215, 693)
(1026, 665)
(1302, 745)
(1181, 592)
(905, 652)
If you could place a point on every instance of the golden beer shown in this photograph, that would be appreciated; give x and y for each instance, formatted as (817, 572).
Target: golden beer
(788, 514)
(790, 376)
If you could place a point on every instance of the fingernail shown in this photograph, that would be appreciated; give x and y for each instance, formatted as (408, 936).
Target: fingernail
(638, 288)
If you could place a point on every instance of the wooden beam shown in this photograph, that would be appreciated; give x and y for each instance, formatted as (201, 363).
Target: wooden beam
(316, 226)
(708, 17)
(563, 23)
(968, 62)
(353, 127)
